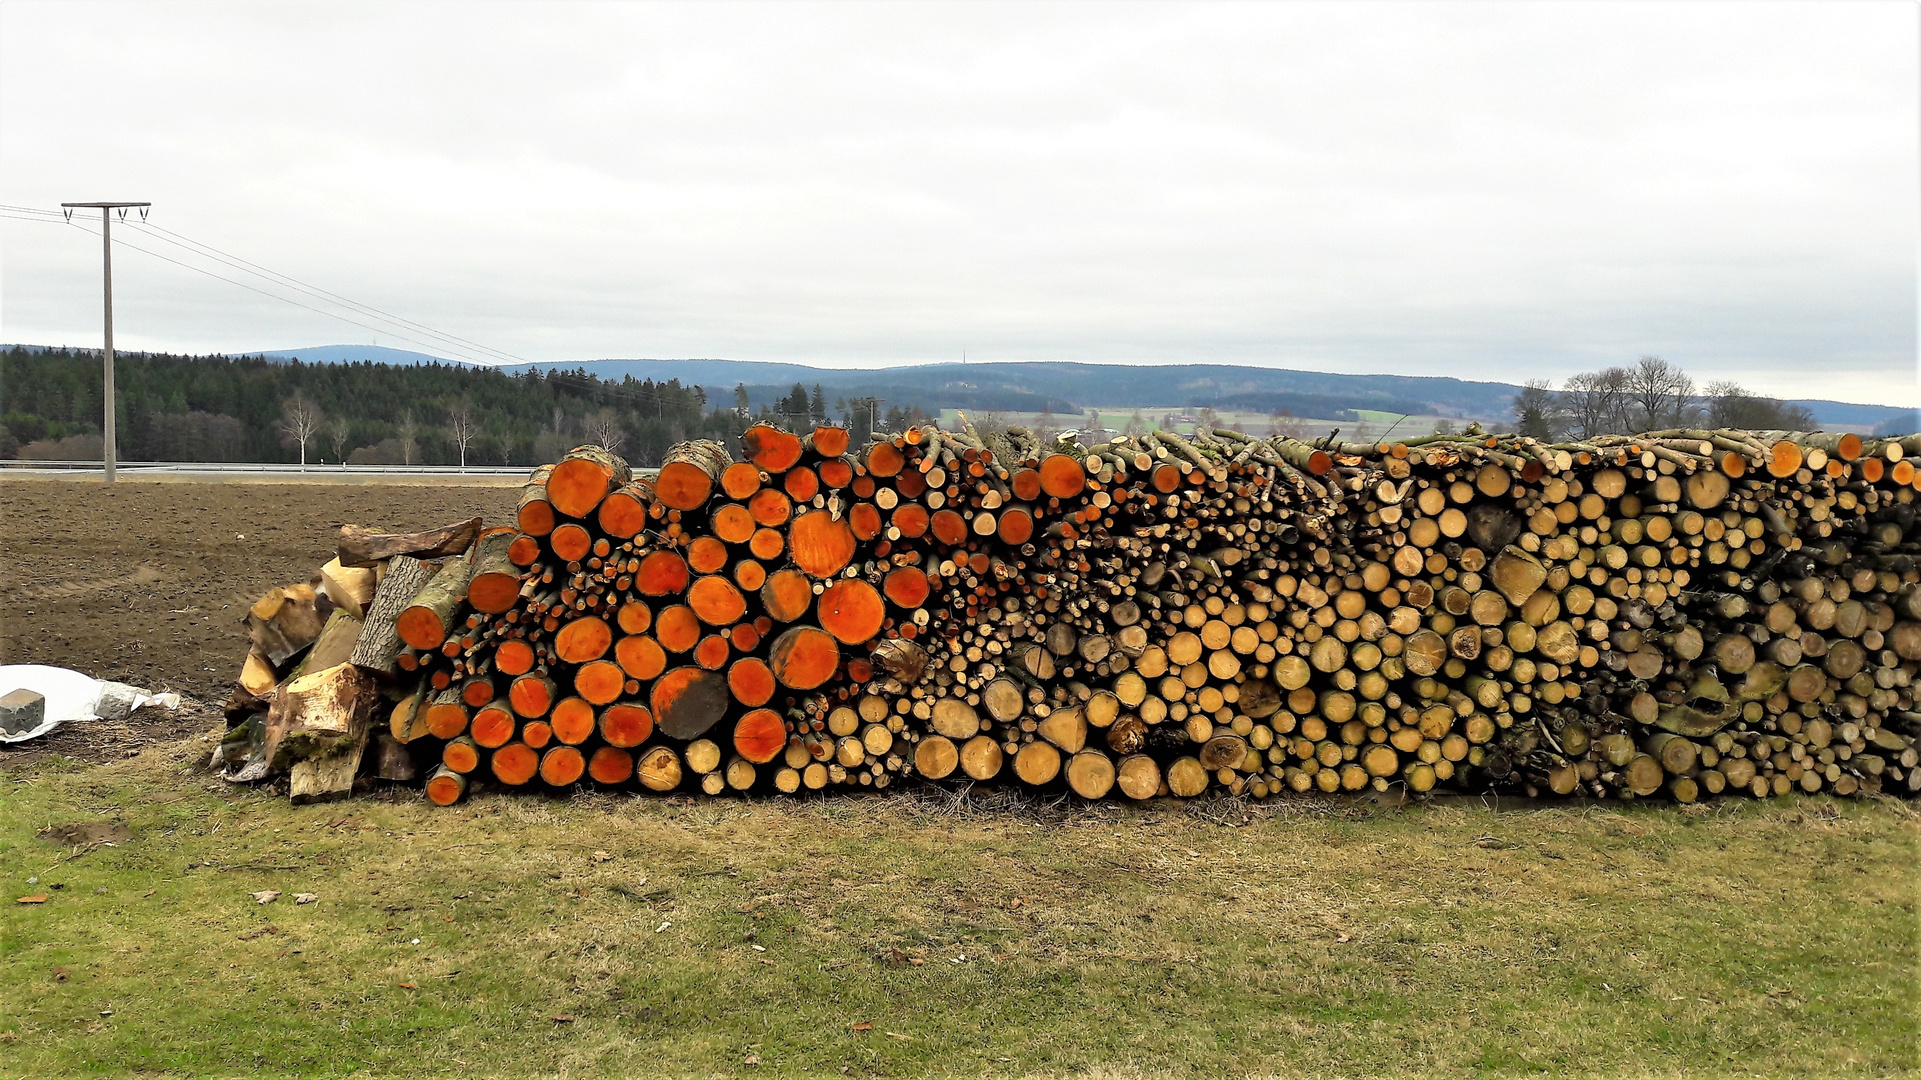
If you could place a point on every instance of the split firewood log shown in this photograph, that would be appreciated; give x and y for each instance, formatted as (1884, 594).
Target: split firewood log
(365, 547)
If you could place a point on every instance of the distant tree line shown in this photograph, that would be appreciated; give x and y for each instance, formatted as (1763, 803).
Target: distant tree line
(1651, 395)
(225, 408)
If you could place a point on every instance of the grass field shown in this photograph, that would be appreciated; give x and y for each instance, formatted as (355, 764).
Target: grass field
(604, 936)
(1371, 425)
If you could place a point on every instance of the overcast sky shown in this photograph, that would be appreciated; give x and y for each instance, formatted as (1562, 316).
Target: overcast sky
(1484, 190)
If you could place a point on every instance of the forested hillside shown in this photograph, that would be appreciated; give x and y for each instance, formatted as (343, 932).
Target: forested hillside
(222, 408)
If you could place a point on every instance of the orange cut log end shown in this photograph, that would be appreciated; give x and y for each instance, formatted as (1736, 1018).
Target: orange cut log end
(493, 592)
(749, 575)
(836, 473)
(460, 756)
(770, 448)
(948, 527)
(524, 551)
(531, 695)
(516, 764)
(634, 617)
(577, 485)
(821, 546)
(760, 735)
(446, 720)
(562, 766)
(478, 690)
(626, 725)
(830, 441)
(600, 682)
(1784, 459)
(570, 542)
(750, 681)
(1016, 526)
(683, 485)
(536, 518)
(492, 727)
(716, 600)
(907, 587)
(573, 721)
(770, 507)
(706, 555)
(420, 628)
(884, 459)
(787, 595)
(583, 639)
(732, 523)
(611, 765)
(712, 652)
(1063, 476)
(910, 519)
(767, 544)
(661, 573)
(851, 610)
(864, 520)
(445, 790)
(624, 513)
(513, 657)
(803, 657)
(677, 628)
(740, 480)
(801, 483)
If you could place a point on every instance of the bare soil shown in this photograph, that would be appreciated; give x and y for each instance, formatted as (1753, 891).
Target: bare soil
(146, 583)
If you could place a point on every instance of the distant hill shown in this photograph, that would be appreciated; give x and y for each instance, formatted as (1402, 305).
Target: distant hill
(348, 354)
(1070, 388)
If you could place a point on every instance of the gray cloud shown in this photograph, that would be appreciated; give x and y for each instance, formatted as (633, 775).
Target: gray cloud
(1492, 191)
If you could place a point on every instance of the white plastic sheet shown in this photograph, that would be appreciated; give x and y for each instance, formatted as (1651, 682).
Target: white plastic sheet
(72, 696)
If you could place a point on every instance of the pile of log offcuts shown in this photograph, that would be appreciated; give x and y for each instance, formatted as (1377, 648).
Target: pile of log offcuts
(1679, 614)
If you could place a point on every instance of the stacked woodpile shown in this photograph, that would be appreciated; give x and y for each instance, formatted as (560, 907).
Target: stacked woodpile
(1681, 614)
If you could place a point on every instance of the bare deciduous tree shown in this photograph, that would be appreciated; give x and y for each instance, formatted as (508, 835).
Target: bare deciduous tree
(300, 421)
(1283, 423)
(1596, 403)
(408, 431)
(1729, 404)
(339, 433)
(463, 428)
(603, 430)
(1660, 391)
(1537, 412)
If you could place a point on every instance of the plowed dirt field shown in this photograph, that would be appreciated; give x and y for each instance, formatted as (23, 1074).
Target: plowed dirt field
(146, 583)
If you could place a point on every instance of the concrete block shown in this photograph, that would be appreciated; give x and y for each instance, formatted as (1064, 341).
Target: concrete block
(21, 710)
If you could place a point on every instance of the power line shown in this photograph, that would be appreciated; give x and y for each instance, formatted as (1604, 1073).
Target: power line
(462, 348)
(287, 280)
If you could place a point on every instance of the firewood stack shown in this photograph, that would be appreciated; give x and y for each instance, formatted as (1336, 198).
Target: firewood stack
(1681, 613)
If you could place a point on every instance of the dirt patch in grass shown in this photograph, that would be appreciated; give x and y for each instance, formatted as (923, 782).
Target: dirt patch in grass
(85, 833)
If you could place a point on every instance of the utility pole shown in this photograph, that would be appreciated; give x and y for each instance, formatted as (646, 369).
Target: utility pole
(106, 267)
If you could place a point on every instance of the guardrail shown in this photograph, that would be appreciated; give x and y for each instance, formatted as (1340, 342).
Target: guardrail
(266, 467)
(271, 468)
